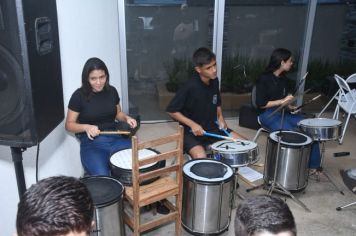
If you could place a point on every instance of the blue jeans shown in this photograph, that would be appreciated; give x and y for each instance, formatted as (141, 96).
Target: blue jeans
(95, 154)
(290, 122)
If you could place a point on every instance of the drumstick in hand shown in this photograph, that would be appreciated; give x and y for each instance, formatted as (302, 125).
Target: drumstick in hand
(306, 103)
(227, 133)
(223, 137)
(115, 132)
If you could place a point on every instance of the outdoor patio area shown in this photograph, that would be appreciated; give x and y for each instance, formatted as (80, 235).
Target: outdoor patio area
(321, 197)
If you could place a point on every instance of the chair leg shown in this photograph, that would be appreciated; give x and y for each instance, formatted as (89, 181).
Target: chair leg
(347, 205)
(344, 128)
(332, 99)
(178, 226)
(136, 220)
(258, 133)
(336, 112)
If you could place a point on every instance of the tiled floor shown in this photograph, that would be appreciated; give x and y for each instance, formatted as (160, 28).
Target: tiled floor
(320, 197)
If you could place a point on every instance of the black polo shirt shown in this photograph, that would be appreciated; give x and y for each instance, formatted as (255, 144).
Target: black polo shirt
(198, 101)
(270, 88)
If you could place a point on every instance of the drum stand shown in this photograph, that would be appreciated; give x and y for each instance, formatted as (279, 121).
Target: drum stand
(321, 170)
(277, 187)
(274, 185)
(235, 192)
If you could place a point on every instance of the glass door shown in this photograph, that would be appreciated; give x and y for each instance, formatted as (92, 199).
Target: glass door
(252, 30)
(161, 37)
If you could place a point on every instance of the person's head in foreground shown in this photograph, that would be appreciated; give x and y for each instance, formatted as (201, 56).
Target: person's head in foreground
(55, 206)
(264, 215)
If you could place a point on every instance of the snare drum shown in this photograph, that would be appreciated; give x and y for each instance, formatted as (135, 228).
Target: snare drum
(235, 154)
(292, 166)
(121, 165)
(321, 129)
(207, 196)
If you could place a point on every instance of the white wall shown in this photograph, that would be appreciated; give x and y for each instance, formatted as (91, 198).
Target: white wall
(87, 28)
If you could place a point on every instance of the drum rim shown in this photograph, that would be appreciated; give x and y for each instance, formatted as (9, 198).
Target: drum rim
(306, 143)
(214, 182)
(301, 123)
(130, 169)
(109, 202)
(195, 232)
(249, 153)
(233, 152)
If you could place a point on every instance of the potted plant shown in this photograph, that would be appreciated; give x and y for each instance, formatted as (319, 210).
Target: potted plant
(178, 71)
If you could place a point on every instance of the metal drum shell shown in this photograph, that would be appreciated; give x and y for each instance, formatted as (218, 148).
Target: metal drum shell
(206, 205)
(107, 195)
(320, 131)
(292, 167)
(237, 158)
(125, 175)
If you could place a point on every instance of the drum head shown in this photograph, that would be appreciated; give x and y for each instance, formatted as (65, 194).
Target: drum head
(207, 170)
(123, 158)
(291, 138)
(233, 147)
(103, 190)
(319, 122)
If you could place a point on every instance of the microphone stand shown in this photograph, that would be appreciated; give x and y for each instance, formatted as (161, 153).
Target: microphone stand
(275, 186)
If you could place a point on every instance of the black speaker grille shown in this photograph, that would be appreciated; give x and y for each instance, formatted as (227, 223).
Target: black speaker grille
(31, 96)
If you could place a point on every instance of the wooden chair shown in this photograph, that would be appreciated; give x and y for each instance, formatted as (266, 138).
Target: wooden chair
(346, 101)
(168, 185)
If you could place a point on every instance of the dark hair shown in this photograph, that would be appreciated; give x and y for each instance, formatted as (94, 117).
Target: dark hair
(55, 206)
(91, 64)
(278, 55)
(203, 56)
(263, 213)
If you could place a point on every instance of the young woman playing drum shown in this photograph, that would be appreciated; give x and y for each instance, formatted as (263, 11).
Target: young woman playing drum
(95, 107)
(272, 91)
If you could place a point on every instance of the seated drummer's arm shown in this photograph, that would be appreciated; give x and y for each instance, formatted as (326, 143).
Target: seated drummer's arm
(195, 127)
(278, 102)
(221, 120)
(222, 123)
(72, 125)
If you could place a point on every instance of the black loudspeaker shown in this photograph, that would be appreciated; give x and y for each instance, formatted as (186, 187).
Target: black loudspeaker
(31, 94)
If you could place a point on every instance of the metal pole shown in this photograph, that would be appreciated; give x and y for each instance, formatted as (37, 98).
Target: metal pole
(20, 177)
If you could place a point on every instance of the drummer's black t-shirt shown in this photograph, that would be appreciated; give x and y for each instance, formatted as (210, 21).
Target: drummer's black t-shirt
(98, 110)
(270, 88)
(198, 101)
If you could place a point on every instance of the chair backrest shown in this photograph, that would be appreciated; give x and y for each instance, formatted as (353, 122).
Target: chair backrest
(176, 152)
(345, 93)
(351, 79)
(253, 97)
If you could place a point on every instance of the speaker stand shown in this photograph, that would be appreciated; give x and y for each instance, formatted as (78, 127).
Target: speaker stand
(16, 153)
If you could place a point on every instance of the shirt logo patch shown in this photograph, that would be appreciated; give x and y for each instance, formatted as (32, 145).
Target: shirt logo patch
(215, 99)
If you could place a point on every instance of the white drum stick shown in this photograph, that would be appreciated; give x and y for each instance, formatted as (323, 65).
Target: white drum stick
(115, 132)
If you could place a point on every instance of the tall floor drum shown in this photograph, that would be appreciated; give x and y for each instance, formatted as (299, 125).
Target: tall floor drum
(107, 194)
(207, 196)
(293, 160)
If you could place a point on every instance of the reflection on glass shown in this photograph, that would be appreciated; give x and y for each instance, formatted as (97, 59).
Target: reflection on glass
(251, 33)
(333, 48)
(161, 38)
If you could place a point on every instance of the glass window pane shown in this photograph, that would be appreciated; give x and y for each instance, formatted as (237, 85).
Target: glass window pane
(333, 48)
(252, 30)
(161, 38)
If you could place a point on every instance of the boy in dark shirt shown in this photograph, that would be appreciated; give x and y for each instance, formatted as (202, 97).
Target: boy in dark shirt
(197, 106)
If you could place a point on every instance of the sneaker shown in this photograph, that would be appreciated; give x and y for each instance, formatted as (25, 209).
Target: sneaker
(162, 209)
